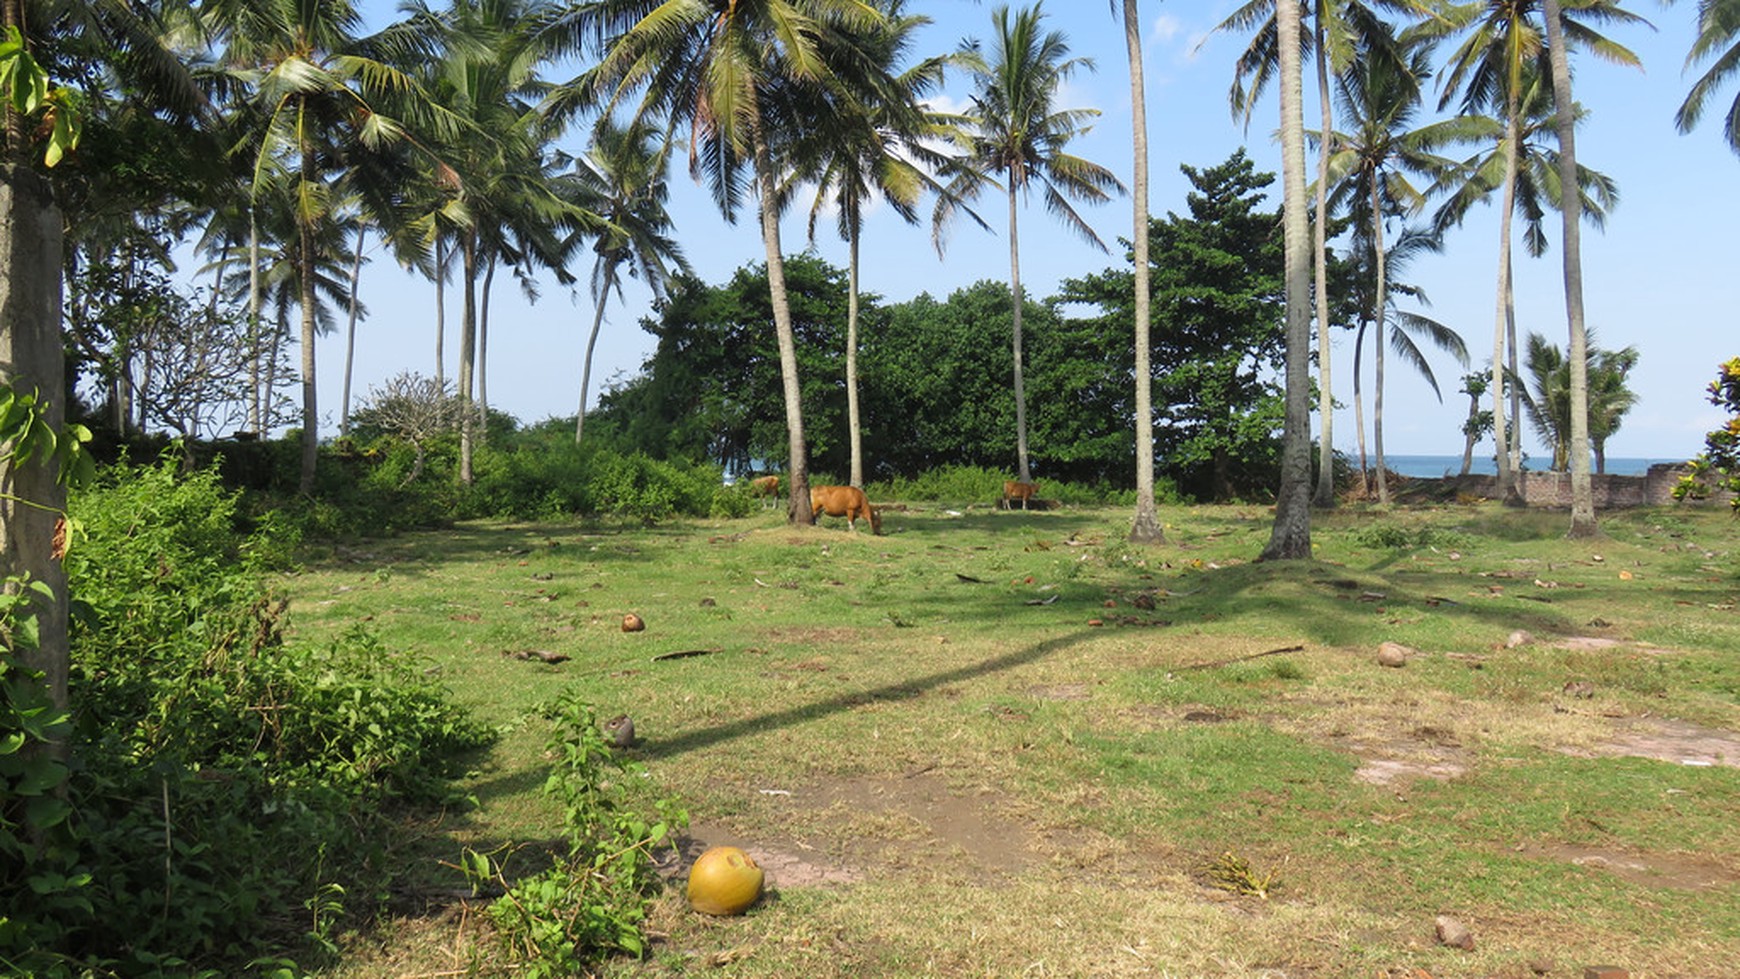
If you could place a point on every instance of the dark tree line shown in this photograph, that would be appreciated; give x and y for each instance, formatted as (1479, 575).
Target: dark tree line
(934, 371)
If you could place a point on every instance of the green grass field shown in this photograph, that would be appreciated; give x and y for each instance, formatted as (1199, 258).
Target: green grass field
(999, 744)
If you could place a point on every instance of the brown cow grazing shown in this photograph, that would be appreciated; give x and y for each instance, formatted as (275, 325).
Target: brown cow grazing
(843, 501)
(1015, 490)
(765, 488)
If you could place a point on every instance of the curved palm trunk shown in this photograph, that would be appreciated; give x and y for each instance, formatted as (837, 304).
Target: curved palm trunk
(483, 349)
(1016, 302)
(1359, 412)
(1380, 315)
(1516, 408)
(440, 308)
(310, 409)
(1291, 537)
(350, 334)
(1506, 436)
(256, 343)
(1469, 435)
(1582, 492)
(1146, 528)
(607, 272)
(798, 505)
(1320, 262)
(467, 352)
(852, 418)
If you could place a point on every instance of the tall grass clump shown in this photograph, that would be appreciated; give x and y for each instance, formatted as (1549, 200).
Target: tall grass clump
(229, 795)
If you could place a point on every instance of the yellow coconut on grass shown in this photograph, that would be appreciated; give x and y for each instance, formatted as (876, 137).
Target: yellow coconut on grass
(725, 880)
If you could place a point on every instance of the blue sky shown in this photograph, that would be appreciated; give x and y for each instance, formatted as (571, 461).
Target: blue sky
(1661, 276)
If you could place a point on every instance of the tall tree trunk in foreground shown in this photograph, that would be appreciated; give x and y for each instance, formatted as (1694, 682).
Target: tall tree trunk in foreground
(308, 256)
(1146, 528)
(1320, 264)
(1291, 537)
(1505, 431)
(852, 415)
(1016, 299)
(32, 498)
(350, 334)
(1571, 208)
(798, 476)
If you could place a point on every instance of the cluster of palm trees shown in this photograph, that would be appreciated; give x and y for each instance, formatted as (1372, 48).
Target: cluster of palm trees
(440, 137)
(1505, 69)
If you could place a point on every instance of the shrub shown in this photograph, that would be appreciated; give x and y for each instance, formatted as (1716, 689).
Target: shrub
(593, 898)
(224, 784)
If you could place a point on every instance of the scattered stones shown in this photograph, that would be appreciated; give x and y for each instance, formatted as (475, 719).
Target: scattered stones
(1454, 934)
(708, 603)
(632, 623)
(1394, 654)
(1605, 972)
(1540, 967)
(1580, 689)
(1521, 637)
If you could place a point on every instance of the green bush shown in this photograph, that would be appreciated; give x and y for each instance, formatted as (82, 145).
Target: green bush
(224, 786)
(592, 900)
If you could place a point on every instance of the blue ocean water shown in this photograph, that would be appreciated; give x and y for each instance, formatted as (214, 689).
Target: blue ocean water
(1432, 467)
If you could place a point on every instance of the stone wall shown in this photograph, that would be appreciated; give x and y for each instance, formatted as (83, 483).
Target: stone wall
(1553, 489)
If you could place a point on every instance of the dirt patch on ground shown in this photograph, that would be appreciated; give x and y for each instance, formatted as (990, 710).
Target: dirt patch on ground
(1672, 741)
(883, 822)
(1677, 871)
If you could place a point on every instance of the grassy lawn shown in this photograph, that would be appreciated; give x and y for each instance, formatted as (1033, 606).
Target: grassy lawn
(996, 744)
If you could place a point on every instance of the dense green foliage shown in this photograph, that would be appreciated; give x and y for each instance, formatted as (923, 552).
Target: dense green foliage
(1216, 285)
(227, 790)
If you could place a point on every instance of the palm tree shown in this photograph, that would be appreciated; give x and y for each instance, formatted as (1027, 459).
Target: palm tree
(1340, 31)
(1146, 528)
(625, 171)
(1582, 493)
(1403, 326)
(1290, 538)
(1371, 166)
(314, 84)
(518, 209)
(1018, 132)
(721, 70)
(1549, 405)
(1501, 65)
(1718, 25)
(874, 144)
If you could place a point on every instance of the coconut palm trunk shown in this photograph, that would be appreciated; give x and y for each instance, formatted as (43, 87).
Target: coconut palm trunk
(467, 352)
(852, 417)
(440, 307)
(1146, 528)
(350, 334)
(256, 343)
(1505, 431)
(798, 469)
(308, 255)
(1380, 316)
(1582, 492)
(1016, 302)
(606, 270)
(1290, 538)
(1320, 263)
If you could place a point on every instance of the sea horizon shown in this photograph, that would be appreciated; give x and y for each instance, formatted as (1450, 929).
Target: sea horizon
(1436, 466)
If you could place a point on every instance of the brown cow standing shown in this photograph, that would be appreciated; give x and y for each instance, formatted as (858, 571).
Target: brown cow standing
(765, 488)
(1017, 490)
(843, 501)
